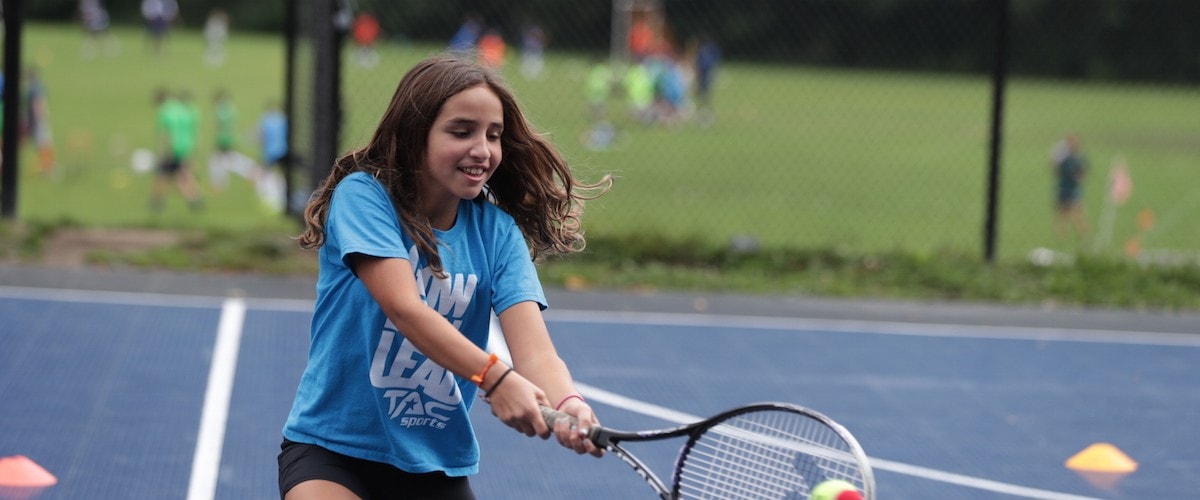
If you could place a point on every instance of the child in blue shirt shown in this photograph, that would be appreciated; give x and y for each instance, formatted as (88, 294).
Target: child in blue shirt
(422, 235)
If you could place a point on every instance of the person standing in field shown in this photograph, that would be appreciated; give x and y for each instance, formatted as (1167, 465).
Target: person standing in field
(37, 121)
(98, 38)
(365, 31)
(1070, 168)
(422, 236)
(638, 85)
(225, 158)
(272, 135)
(597, 89)
(467, 35)
(533, 46)
(159, 15)
(216, 34)
(273, 141)
(492, 49)
(642, 40)
(708, 57)
(176, 129)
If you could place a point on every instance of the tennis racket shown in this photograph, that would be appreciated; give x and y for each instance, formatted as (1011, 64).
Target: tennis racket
(758, 451)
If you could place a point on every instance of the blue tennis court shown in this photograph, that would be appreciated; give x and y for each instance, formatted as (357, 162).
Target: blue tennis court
(128, 394)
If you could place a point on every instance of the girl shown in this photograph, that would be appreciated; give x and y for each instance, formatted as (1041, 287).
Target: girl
(423, 234)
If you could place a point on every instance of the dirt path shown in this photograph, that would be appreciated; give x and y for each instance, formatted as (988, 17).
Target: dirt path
(69, 247)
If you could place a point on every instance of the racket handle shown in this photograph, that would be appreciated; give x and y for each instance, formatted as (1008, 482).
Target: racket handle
(550, 415)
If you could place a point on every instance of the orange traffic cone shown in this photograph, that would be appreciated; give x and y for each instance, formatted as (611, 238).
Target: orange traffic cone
(1102, 465)
(22, 478)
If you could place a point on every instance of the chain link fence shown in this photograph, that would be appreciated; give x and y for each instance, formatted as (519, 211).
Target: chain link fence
(858, 125)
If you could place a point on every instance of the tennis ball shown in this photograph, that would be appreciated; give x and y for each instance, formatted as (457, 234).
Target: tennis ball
(835, 489)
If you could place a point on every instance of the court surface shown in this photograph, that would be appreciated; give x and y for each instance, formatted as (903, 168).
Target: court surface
(162, 386)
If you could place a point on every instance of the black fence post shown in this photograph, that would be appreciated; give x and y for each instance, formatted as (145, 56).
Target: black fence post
(999, 71)
(291, 21)
(13, 14)
(329, 28)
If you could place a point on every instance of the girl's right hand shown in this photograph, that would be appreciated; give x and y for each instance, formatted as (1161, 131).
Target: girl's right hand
(516, 402)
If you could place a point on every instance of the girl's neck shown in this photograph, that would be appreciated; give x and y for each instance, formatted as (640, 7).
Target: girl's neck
(442, 217)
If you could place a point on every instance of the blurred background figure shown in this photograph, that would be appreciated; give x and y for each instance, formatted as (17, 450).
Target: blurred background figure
(597, 90)
(641, 39)
(638, 85)
(707, 57)
(467, 35)
(533, 44)
(37, 121)
(670, 89)
(98, 38)
(176, 122)
(225, 158)
(1069, 167)
(365, 31)
(272, 139)
(492, 49)
(159, 15)
(216, 33)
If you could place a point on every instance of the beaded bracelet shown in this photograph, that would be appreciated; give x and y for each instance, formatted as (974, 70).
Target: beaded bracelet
(478, 377)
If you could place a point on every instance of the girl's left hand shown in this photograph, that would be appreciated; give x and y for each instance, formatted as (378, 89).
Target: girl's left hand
(576, 438)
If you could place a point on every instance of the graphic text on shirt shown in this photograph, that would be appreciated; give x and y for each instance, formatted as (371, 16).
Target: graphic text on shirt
(420, 392)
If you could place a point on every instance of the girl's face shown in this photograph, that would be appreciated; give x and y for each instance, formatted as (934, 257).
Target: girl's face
(463, 151)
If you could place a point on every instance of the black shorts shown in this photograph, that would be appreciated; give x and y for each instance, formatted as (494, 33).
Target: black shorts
(299, 462)
(170, 166)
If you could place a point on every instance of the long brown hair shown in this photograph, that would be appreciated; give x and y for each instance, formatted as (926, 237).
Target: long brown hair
(533, 183)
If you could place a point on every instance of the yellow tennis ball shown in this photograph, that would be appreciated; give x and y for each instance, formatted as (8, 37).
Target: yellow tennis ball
(835, 489)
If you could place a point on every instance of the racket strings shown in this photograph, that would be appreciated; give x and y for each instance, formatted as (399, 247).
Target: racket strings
(765, 454)
(730, 468)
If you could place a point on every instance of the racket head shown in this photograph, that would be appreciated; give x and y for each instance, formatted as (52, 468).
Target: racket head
(769, 450)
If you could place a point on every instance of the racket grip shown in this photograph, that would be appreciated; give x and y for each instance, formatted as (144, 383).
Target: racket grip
(551, 416)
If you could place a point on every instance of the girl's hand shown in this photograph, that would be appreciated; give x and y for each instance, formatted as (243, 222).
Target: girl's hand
(516, 403)
(575, 437)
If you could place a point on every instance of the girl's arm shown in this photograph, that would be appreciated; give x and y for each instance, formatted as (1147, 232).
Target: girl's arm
(391, 283)
(535, 356)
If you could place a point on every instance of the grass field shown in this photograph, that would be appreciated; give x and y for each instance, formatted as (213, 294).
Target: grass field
(798, 159)
(102, 109)
(881, 161)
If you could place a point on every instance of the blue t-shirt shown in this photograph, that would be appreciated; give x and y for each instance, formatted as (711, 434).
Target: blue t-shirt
(1070, 173)
(367, 392)
(272, 132)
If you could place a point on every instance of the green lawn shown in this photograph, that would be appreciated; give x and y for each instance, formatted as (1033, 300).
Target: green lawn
(797, 157)
(800, 159)
(874, 161)
(102, 109)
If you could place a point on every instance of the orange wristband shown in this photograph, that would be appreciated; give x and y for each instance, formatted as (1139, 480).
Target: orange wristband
(478, 377)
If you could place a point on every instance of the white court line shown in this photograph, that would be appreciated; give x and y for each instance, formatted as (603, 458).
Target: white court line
(497, 344)
(914, 329)
(206, 462)
(108, 297)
